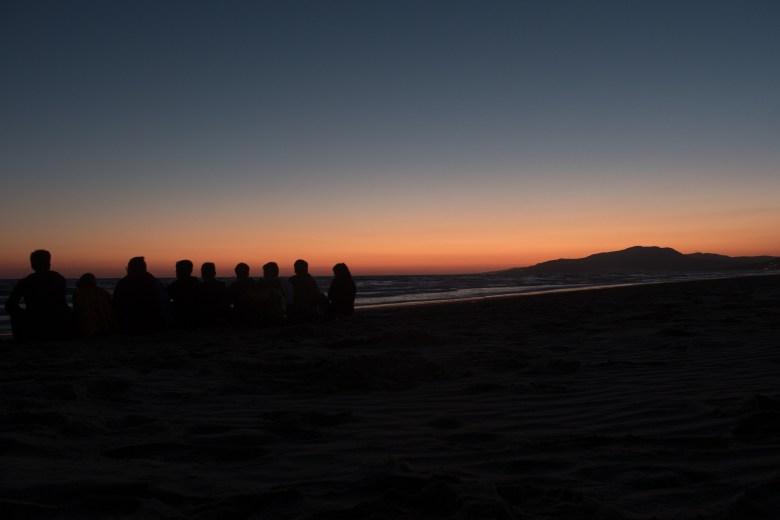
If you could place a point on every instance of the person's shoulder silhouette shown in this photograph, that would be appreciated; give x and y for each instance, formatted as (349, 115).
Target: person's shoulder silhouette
(45, 314)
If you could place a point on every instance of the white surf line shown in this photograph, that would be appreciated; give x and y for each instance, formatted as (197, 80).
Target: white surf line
(439, 301)
(466, 299)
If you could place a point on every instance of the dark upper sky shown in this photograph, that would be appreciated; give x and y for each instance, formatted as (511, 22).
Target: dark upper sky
(420, 121)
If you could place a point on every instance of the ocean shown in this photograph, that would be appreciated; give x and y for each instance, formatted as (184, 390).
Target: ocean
(383, 291)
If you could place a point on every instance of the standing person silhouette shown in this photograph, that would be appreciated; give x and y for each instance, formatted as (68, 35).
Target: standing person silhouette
(183, 293)
(45, 314)
(272, 296)
(140, 300)
(92, 308)
(243, 298)
(213, 299)
(306, 293)
(342, 291)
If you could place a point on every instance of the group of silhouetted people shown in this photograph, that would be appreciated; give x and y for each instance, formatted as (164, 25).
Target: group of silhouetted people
(141, 303)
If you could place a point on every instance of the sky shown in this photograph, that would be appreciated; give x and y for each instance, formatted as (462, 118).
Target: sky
(398, 137)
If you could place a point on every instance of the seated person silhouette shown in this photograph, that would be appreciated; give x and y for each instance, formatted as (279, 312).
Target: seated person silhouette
(45, 314)
(342, 291)
(273, 300)
(307, 297)
(140, 300)
(183, 294)
(92, 308)
(213, 299)
(243, 298)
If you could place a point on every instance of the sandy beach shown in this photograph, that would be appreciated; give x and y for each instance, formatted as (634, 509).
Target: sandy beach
(659, 401)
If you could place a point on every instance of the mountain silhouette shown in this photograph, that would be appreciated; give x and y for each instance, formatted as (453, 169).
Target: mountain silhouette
(643, 259)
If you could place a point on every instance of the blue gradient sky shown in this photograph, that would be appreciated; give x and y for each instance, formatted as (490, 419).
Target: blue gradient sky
(396, 136)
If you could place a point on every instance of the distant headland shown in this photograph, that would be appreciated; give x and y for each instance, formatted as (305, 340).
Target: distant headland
(649, 259)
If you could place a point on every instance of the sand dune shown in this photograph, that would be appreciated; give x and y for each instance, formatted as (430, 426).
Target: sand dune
(647, 402)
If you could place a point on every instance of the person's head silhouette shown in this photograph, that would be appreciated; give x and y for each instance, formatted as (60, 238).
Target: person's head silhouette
(208, 271)
(242, 270)
(271, 270)
(136, 265)
(87, 280)
(341, 271)
(301, 266)
(40, 260)
(183, 269)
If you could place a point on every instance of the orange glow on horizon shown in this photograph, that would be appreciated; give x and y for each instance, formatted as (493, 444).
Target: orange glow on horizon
(454, 260)
(457, 231)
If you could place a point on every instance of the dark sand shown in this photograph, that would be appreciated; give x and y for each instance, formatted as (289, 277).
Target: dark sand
(646, 402)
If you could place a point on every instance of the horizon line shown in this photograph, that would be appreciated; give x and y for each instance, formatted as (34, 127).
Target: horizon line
(320, 270)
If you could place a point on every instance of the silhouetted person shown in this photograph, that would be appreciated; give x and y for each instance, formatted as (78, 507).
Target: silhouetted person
(306, 293)
(273, 300)
(45, 314)
(92, 308)
(183, 293)
(213, 297)
(342, 291)
(243, 297)
(140, 299)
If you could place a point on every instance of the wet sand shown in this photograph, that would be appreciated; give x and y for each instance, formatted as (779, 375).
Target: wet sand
(657, 401)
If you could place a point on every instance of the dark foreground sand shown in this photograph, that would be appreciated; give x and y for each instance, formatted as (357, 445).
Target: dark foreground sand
(647, 402)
